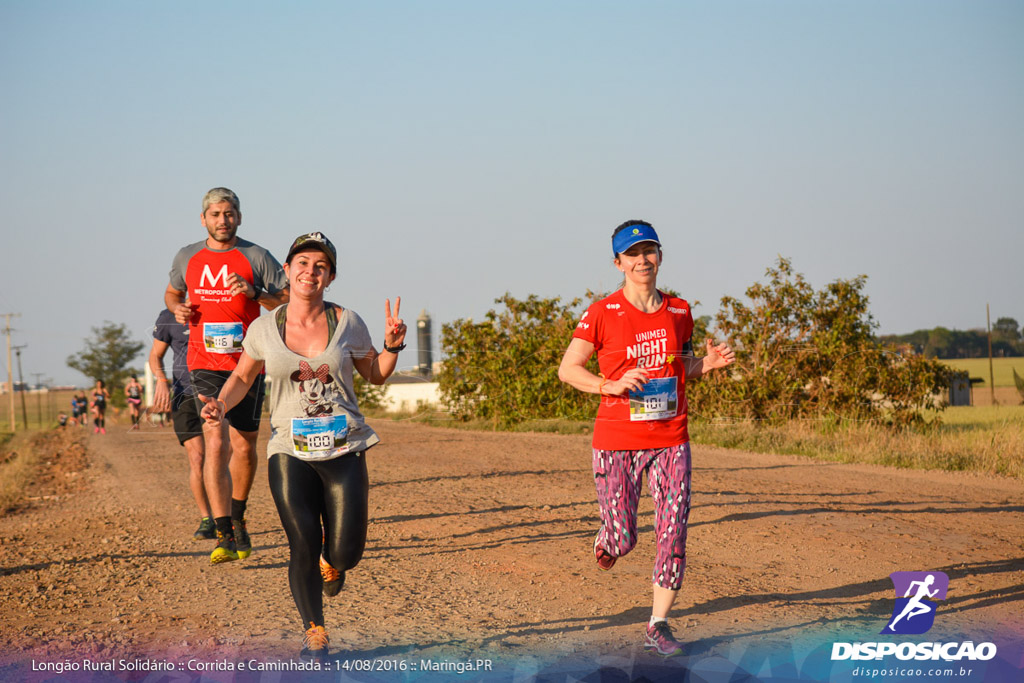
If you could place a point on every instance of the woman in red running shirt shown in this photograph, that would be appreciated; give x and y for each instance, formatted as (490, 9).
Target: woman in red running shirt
(642, 339)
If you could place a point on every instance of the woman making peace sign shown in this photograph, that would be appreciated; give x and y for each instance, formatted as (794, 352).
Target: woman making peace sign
(317, 467)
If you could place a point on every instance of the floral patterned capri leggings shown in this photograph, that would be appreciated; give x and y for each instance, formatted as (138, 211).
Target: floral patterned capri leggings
(618, 476)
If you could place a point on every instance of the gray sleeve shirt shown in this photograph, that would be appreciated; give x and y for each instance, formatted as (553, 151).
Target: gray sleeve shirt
(313, 399)
(267, 273)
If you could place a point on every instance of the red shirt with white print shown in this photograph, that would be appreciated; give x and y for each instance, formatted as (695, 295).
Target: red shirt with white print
(625, 338)
(220, 319)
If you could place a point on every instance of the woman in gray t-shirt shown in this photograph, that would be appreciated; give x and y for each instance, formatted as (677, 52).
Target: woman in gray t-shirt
(309, 349)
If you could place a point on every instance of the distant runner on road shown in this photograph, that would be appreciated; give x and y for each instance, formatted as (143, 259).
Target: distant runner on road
(133, 392)
(217, 287)
(79, 408)
(317, 461)
(642, 338)
(100, 396)
(178, 399)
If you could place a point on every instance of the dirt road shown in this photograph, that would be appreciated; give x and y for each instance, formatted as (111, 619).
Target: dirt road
(480, 546)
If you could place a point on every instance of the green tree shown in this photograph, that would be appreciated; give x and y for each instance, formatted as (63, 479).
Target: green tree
(806, 354)
(505, 369)
(801, 354)
(1007, 329)
(106, 356)
(1006, 338)
(701, 330)
(940, 343)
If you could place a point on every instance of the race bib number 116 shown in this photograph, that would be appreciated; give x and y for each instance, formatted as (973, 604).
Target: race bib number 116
(222, 337)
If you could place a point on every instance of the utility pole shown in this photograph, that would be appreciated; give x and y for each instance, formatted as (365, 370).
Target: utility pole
(10, 372)
(991, 374)
(24, 387)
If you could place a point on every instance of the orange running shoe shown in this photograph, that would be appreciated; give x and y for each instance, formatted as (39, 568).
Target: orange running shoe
(314, 643)
(334, 580)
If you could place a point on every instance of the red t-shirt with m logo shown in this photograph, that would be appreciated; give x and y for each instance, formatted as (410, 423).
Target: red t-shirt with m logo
(219, 319)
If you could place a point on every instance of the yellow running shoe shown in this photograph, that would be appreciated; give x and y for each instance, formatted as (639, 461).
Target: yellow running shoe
(225, 550)
(242, 542)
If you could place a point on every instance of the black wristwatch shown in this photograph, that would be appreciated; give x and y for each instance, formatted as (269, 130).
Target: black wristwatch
(395, 349)
(259, 293)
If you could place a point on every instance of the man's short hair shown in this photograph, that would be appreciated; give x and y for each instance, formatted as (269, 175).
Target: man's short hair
(221, 194)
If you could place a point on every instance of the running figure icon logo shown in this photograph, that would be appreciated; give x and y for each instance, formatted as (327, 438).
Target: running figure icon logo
(914, 612)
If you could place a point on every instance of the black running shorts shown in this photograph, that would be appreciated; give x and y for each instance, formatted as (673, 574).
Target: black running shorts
(187, 423)
(245, 417)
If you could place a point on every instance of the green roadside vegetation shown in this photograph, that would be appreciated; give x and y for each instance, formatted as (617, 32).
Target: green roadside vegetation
(811, 378)
(1002, 369)
(984, 440)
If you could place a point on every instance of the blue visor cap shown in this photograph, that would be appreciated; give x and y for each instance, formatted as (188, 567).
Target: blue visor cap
(633, 235)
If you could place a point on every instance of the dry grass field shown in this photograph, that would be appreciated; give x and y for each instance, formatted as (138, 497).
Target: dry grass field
(1002, 370)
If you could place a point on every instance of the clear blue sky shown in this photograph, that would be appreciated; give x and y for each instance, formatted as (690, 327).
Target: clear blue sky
(458, 150)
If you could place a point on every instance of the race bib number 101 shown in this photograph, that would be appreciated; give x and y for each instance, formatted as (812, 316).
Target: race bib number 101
(658, 400)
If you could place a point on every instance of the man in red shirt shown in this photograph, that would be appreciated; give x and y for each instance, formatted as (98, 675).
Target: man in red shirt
(217, 287)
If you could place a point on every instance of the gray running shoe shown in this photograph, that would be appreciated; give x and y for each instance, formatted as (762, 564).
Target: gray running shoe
(660, 641)
(207, 530)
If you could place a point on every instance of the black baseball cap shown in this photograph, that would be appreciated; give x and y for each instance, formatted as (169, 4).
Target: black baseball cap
(315, 240)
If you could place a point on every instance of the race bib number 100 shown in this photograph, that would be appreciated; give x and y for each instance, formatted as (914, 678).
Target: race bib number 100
(658, 400)
(222, 337)
(320, 438)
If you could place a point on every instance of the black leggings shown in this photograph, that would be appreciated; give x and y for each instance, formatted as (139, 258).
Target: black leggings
(334, 491)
